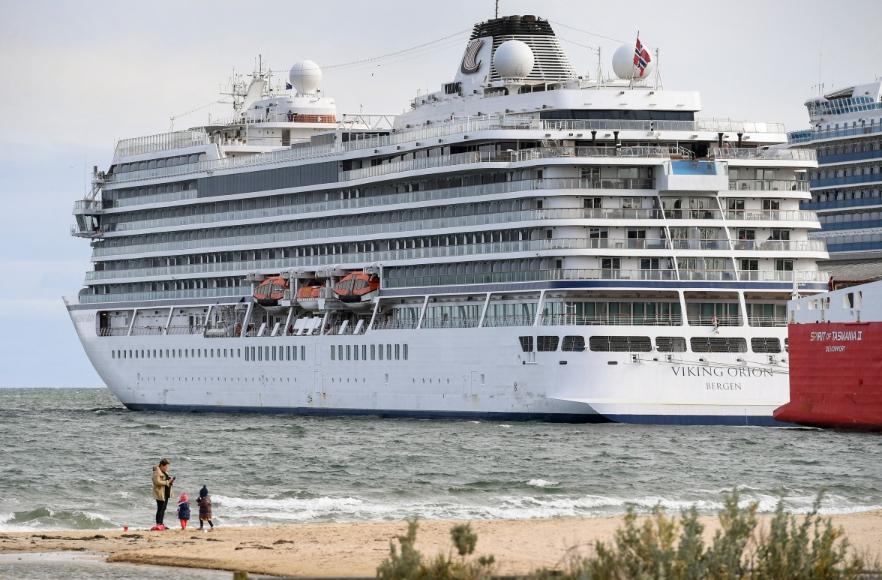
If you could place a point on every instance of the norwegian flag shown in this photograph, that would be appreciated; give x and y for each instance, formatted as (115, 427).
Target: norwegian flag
(641, 57)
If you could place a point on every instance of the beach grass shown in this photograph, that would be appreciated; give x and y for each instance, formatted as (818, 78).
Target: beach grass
(809, 547)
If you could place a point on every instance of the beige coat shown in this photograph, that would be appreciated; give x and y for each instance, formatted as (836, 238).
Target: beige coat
(161, 481)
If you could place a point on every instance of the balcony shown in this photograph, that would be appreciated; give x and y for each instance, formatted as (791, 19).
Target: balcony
(235, 292)
(521, 155)
(763, 154)
(841, 203)
(768, 185)
(88, 207)
(808, 135)
(302, 210)
(847, 180)
(854, 156)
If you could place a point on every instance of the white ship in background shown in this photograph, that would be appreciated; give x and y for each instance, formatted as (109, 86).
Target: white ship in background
(524, 243)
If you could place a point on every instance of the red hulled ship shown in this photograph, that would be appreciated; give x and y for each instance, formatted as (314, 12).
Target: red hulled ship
(835, 344)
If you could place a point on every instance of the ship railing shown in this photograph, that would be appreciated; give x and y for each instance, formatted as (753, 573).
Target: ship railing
(302, 210)
(183, 195)
(233, 292)
(741, 215)
(514, 156)
(700, 244)
(783, 275)
(114, 331)
(707, 275)
(767, 321)
(806, 135)
(703, 320)
(463, 220)
(761, 153)
(609, 319)
(395, 324)
(449, 322)
(87, 206)
(768, 185)
(186, 329)
(513, 320)
(780, 245)
(384, 199)
(149, 330)
(525, 123)
(528, 276)
(159, 142)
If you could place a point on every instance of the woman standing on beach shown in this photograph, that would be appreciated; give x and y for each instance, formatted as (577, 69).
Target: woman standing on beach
(162, 484)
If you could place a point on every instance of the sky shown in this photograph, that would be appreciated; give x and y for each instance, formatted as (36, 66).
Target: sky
(77, 76)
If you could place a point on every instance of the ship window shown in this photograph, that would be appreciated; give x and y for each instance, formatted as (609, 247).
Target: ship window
(397, 352)
(388, 352)
(302, 353)
(405, 351)
(787, 344)
(248, 358)
(274, 353)
(573, 344)
(526, 343)
(373, 352)
(670, 344)
(767, 345)
(355, 352)
(266, 353)
(348, 352)
(113, 354)
(333, 353)
(718, 344)
(620, 343)
(340, 351)
(259, 354)
(380, 348)
(547, 343)
(239, 352)
(364, 352)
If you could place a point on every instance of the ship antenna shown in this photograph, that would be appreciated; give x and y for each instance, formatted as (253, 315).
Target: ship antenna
(658, 81)
(496, 13)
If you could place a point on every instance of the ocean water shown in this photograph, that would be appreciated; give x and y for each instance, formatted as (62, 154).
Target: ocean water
(78, 459)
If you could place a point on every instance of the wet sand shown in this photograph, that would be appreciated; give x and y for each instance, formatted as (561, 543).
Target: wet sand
(355, 549)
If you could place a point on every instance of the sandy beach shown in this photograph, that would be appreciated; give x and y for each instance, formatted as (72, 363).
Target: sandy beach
(355, 549)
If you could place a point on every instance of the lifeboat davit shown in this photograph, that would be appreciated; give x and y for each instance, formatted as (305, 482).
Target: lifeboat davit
(357, 288)
(308, 295)
(269, 292)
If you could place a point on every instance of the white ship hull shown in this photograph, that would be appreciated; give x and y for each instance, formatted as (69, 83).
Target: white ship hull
(466, 373)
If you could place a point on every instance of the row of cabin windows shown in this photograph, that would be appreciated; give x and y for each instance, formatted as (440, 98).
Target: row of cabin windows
(274, 353)
(175, 353)
(252, 353)
(369, 352)
(644, 344)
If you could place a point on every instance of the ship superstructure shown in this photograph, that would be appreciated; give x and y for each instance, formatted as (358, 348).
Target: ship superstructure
(846, 133)
(524, 243)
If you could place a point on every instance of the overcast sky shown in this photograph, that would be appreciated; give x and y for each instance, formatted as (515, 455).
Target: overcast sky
(79, 75)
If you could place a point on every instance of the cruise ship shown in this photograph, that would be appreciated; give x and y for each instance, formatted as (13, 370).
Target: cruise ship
(524, 243)
(846, 188)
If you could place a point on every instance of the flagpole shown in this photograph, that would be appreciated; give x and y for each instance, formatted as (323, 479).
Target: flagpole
(633, 64)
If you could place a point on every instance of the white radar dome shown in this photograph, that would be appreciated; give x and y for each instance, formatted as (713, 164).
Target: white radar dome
(305, 77)
(623, 63)
(513, 59)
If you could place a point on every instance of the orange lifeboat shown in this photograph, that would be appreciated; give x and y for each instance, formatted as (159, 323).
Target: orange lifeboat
(270, 291)
(308, 295)
(357, 287)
